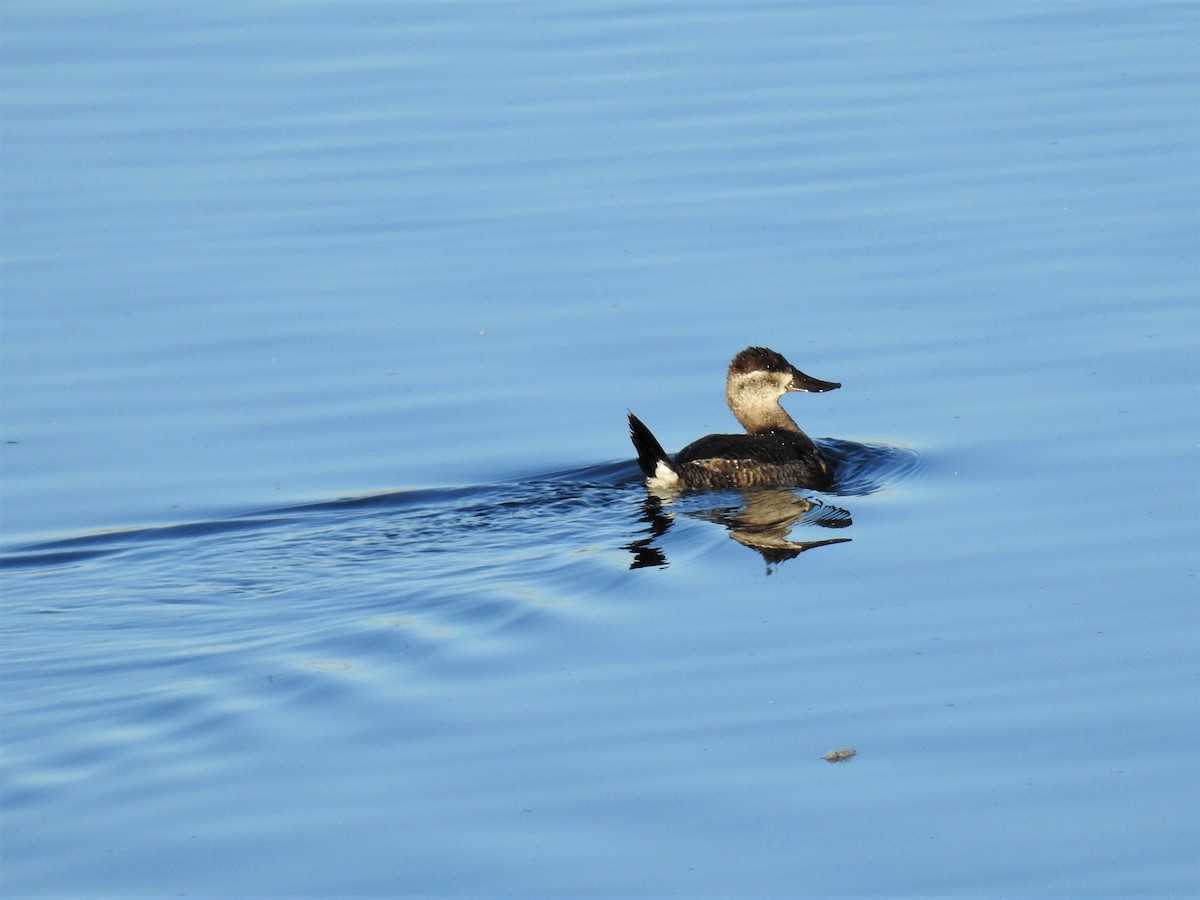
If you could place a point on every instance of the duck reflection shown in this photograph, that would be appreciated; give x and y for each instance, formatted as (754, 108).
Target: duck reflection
(762, 521)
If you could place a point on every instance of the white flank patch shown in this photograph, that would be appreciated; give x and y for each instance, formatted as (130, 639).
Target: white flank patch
(664, 478)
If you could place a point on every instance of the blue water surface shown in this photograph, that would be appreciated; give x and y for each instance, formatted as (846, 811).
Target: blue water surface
(326, 568)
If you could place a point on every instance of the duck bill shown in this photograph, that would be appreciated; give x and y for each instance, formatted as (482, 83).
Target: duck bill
(808, 384)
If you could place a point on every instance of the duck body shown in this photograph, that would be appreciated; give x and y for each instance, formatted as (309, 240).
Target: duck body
(773, 452)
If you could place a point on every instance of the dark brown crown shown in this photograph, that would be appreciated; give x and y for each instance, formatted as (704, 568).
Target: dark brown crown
(758, 359)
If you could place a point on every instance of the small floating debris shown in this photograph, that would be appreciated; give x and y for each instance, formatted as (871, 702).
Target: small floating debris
(841, 754)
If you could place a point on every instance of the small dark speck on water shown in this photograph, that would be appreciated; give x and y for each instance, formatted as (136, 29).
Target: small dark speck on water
(841, 754)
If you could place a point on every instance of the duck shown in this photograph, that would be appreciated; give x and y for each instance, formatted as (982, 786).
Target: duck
(773, 453)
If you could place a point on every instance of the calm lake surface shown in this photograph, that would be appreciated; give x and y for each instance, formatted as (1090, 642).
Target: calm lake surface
(326, 569)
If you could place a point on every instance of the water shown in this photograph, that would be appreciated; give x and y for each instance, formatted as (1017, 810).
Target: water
(326, 569)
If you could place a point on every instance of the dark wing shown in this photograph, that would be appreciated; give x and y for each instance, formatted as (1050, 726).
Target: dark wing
(776, 448)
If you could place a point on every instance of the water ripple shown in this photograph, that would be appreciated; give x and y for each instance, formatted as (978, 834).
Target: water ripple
(475, 518)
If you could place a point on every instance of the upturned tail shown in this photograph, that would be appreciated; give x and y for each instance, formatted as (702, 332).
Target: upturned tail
(649, 451)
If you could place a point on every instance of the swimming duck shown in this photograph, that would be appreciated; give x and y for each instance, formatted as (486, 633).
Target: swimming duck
(774, 452)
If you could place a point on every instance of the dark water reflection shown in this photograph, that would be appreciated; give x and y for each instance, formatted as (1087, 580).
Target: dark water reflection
(762, 521)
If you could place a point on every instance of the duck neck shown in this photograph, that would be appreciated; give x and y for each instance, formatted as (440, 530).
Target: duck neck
(757, 413)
